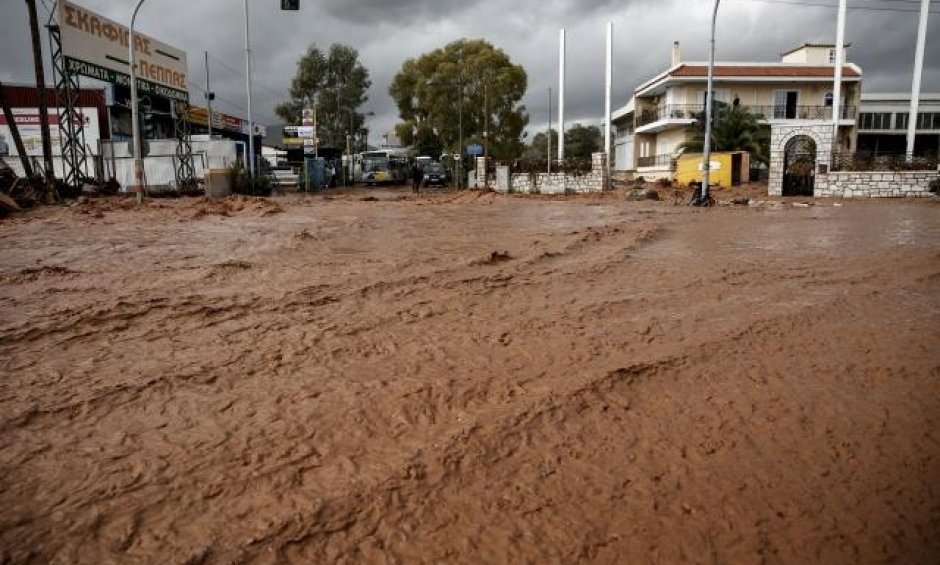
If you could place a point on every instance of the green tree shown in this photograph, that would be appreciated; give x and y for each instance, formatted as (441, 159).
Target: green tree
(473, 74)
(539, 147)
(734, 128)
(338, 83)
(581, 141)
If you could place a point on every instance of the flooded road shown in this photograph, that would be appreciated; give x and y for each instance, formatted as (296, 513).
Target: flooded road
(469, 378)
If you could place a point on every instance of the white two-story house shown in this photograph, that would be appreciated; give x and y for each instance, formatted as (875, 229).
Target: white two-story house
(797, 89)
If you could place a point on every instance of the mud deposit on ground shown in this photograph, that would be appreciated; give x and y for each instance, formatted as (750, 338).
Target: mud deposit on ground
(472, 379)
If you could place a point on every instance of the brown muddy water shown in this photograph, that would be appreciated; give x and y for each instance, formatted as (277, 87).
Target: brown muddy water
(470, 379)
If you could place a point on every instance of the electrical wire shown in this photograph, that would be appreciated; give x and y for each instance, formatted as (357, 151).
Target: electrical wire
(835, 6)
(242, 75)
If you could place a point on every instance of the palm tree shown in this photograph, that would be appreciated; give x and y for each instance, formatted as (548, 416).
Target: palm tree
(734, 128)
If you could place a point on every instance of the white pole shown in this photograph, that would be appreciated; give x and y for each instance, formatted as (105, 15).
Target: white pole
(837, 76)
(707, 153)
(608, 86)
(251, 123)
(135, 124)
(915, 87)
(561, 97)
(548, 154)
(208, 96)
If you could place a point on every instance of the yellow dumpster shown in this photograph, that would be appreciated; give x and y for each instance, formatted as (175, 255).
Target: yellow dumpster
(728, 168)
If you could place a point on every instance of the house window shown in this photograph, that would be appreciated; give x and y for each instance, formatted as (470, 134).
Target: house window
(828, 100)
(832, 56)
(901, 120)
(928, 120)
(785, 104)
(874, 120)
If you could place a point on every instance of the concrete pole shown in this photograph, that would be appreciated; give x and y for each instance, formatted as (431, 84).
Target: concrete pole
(135, 118)
(837, 80)
(548, 154)
(915, 86)
(209, 96)
(41, 93)
(608, 87)
(709, 94)
(460, 135)
(561, 96)
(251, 123)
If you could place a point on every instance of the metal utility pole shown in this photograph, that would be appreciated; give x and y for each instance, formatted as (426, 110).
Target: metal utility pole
(41, 90)
(561, 96)
(548, 153)
(837, 75)
(486, 133)
(460, 135)
(915, 86)
(251, 123)
(210, 96)
(709, 94)
(135, 123)
(608, 86)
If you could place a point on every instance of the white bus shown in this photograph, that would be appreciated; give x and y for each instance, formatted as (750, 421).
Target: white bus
(384, 166)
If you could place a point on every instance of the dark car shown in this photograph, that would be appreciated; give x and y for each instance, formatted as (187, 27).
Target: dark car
(435, 175)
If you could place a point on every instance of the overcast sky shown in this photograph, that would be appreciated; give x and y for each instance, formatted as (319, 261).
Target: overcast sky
(386, 32)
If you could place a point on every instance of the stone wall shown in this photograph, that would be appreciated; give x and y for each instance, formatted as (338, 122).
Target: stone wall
(781, 134)
(560, 183)
(874, 184)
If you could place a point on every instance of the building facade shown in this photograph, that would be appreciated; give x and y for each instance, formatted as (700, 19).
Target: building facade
(883, 119)
(796, 91)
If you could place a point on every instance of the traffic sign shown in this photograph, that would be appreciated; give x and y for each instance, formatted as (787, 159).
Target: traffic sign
(475, 149)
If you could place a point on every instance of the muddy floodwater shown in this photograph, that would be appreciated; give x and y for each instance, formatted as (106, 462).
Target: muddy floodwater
(469, 378)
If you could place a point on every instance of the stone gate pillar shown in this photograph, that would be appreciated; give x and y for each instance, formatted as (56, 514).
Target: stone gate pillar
(781, 134)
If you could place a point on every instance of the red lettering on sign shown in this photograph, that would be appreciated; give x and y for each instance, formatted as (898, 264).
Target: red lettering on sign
(83, 21)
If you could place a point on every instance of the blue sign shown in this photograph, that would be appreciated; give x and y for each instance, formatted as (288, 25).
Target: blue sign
(475, 149)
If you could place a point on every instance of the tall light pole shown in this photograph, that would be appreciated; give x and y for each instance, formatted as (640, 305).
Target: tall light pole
(915, 86)
(548, 153)
(709, 94)
(608, 87)
(251, 123)
(561, 96)
(210, 96)
(837, 75)
(135, 124)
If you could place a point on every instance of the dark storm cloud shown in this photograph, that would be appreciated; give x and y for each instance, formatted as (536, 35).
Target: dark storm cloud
(387, 32)
(402, 11)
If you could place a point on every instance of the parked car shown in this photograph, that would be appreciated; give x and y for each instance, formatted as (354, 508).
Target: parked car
(435, 175)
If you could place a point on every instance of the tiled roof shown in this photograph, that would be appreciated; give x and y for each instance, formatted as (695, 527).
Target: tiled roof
(763, 71)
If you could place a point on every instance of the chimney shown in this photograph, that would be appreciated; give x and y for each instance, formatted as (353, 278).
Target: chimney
(676, 57)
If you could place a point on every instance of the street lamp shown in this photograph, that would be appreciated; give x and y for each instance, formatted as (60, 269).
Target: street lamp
(707, 153)
(135, 125)
(251, 123)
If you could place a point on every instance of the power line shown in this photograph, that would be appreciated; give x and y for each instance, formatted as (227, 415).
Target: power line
(242, 75)
(834, 6)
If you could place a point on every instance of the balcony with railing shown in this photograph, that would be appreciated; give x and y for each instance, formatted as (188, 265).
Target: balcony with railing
(664, 161)
(785, 112)
(651, 120)
(664, 115)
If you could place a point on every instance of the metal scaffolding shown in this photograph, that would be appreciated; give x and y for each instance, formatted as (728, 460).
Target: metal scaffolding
(185, 169)
(71, 121)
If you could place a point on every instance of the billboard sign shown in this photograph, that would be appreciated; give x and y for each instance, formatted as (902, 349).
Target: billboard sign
(96, 47)
(27, 122)
(475, 149)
